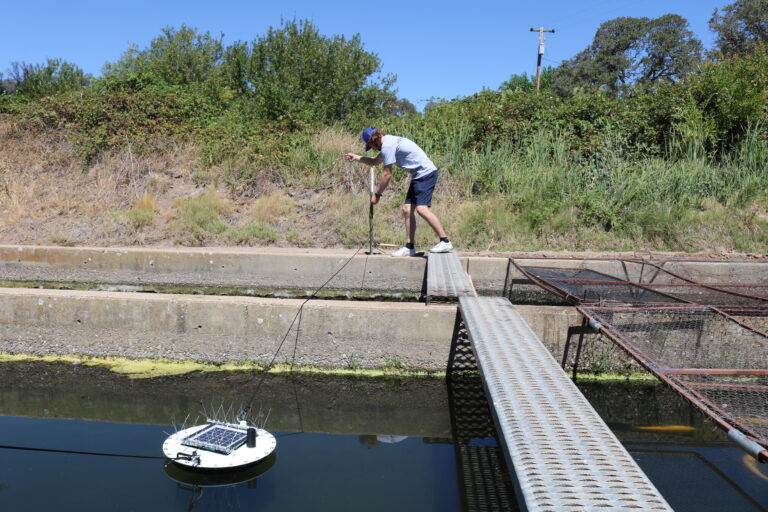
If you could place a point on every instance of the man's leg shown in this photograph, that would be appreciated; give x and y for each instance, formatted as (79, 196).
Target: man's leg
(431, 219)
(410, 223)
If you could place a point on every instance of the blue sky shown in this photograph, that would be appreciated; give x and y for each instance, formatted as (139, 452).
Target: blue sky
(437, 49)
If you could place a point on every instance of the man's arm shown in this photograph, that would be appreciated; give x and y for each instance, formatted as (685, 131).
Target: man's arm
(386, 175)
(371, 162)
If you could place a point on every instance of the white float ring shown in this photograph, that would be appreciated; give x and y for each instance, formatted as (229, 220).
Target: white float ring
(197, 458)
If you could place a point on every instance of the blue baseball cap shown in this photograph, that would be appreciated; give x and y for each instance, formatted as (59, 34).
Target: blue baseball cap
(366, 136)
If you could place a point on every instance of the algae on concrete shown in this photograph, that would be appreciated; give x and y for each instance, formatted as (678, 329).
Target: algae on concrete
(144, 368)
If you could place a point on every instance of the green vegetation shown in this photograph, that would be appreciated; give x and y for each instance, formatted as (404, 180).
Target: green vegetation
(252, 231)
(142, 368)
(741, 27)
(635, 143)
(629, 52)
(38, 80)
(140, 217)
(200, 216)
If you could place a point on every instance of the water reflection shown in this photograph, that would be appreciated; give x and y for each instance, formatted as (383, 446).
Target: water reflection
(193, 478)
(484, 480)
(343, 444)
(198, 483)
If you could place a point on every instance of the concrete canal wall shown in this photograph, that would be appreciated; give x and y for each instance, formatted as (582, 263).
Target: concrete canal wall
(341, 334)
(304, 270)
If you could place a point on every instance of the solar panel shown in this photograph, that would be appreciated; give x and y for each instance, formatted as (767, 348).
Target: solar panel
(217, 437)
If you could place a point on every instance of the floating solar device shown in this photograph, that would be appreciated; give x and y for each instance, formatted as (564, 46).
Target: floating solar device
(219, 445)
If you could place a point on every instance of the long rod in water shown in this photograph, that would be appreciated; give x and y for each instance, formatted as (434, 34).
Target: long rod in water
(370, 217)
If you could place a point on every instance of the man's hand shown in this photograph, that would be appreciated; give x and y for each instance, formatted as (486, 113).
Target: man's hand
(351, 157)
(375, 198)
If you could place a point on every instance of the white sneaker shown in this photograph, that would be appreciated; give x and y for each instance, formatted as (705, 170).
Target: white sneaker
(404, 251)
(442, 247)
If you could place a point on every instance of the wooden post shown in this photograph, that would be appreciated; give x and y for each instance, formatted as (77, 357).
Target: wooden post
(541, 31)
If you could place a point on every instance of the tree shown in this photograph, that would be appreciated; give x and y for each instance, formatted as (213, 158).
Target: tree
(741, 27)
(630, 51)
(527, 83)
(399, 107)
(36, 80)
(7, 85)
(294, 72)
(177, 57)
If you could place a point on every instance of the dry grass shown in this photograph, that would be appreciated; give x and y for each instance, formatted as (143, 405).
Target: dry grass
(46, 195)
(198, 218)
(125, 198)
(334, 141)
(272, 207)
(146, 202)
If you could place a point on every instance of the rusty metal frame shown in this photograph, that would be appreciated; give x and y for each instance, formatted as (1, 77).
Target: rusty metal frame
(705, 285)
(715, 413)
(548, 284)
(590, 310)
(550, 287)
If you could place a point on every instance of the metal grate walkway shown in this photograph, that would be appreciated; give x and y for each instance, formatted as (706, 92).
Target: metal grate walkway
(446, 279)
(564, 456)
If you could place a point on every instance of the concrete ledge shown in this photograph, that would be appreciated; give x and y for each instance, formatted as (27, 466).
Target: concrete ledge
(332, 333)
(272, 271)
(335, 334)
(301, 269)
(255, 269)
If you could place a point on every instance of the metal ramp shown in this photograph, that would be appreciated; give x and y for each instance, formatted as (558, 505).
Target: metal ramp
(446, 279)
(564, 456)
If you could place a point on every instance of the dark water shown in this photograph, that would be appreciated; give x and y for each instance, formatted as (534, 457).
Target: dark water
(79, 439)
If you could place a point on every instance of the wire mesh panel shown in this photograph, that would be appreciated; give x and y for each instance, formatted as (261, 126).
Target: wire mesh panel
(716, 295)
(695, 337)
(742, 398)
(722, 286)
(718, 362)
(590, 286)
(580, 274)
(709, 341)
(754, 290)
(733, 273)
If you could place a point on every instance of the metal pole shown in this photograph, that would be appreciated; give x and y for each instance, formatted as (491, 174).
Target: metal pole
(370, 217)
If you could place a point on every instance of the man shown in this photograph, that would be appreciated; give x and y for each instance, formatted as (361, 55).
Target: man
(410, 157)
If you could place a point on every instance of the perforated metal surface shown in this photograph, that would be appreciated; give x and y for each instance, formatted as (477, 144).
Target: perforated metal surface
(564, 456)
(445, 277)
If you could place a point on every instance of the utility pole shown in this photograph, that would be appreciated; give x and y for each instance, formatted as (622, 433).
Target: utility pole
(541, 31)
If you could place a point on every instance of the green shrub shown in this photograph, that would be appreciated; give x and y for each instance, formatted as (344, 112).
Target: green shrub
(252, 231)
(141, 217)
(56, 76)
(732, 94)
(199, 217)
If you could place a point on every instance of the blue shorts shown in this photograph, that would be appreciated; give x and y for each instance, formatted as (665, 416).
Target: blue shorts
(420, 191)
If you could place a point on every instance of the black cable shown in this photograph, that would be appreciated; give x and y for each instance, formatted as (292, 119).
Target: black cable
(77, 452)
(267, 368)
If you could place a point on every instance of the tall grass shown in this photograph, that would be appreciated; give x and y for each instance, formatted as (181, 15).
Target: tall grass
(545, 189)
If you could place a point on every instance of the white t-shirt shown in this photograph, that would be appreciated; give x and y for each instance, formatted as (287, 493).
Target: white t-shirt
(407, 155)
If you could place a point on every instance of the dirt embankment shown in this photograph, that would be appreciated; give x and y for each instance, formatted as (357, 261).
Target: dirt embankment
(167, 198)
(47, 197)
